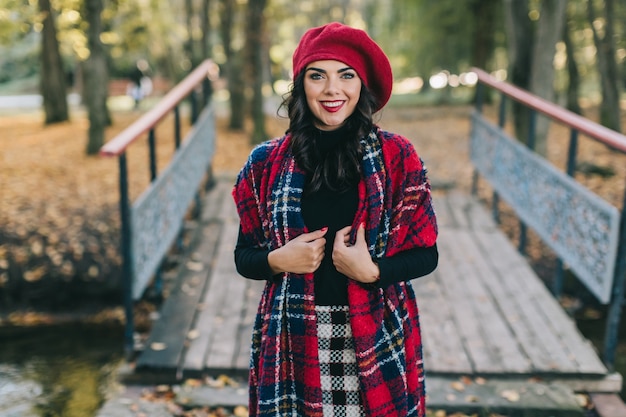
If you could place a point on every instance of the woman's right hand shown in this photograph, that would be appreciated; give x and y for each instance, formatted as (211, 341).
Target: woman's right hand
(301, 255)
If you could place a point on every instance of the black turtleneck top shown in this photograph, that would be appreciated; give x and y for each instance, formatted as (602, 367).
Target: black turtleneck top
(327, 208)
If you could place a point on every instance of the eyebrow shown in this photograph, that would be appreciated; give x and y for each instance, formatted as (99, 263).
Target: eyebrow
(324, 71)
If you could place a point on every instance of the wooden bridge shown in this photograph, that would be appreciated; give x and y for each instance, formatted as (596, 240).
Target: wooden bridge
(484, 311)
(485, 314)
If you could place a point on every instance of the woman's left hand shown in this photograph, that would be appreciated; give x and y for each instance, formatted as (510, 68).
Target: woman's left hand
(354, 261)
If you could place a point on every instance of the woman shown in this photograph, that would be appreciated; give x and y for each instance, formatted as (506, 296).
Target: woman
(336, 215)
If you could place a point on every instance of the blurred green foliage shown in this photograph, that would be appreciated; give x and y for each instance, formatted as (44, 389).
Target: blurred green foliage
(421, 37)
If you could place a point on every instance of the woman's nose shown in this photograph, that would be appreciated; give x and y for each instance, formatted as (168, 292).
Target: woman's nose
(332, 86)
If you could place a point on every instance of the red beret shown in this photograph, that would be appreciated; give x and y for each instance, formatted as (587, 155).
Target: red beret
(351, 46)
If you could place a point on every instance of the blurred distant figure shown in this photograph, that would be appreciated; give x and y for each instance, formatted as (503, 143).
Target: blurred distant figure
(140, 82)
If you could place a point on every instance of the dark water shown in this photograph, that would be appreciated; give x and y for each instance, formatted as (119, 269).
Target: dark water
(57, 371)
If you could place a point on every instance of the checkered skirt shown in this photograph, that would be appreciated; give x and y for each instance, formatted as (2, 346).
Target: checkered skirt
(338, 368)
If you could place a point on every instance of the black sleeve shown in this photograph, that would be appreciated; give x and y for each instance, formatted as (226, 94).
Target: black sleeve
(251, 261)
(407, 265)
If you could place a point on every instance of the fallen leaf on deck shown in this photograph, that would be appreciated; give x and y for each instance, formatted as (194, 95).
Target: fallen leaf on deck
(457, 386)
(193, 382)
(240, 411)
(466, 380)
(215, 383)
(195, 266)
(583, 400)
(228, 380)
(187, 289)
(157, 346)
(510, 395)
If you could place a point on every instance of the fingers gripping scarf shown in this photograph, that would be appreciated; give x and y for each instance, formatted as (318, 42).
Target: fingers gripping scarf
(395, 205)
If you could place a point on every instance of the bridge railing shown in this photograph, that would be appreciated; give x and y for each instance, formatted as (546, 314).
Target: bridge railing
(152, 222)
(586, 232)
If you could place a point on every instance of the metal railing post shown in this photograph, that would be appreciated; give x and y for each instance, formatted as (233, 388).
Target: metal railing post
(207, 91)
(570, 169)
(177, 141)
(502, 111)
(572, 150)
(617, 299)
(152, 147)
(480, 91)
(193, 97)
(177, 135)
(530, 142)
(127, 258)
(532, 127)
(495, 198)
(158, 276)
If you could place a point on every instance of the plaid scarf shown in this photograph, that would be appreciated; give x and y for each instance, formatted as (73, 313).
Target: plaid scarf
(395, 205)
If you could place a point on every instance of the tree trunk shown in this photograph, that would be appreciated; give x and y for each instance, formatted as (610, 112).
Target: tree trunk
(549, 32)
(206, 40)
(233, 67)
(52, 81)
(607, 66)
(189, 44)
(255, 33)
(206, 30)
(484, 15)
(520, 40)
(95, 78)
(572, 71)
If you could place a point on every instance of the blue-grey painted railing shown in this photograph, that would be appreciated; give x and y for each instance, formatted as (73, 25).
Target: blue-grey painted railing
(151, 225)
(580, 227)
(586, 232)
(157, 215)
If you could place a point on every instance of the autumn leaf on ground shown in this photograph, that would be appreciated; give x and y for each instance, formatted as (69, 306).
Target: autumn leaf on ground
(193, 383)
(195, 266)
(158, 346)
(457, 386)
(510, 395)
(240, 411)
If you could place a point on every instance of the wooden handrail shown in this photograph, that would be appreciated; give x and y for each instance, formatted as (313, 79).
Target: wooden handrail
(119, 143)
(601, 133)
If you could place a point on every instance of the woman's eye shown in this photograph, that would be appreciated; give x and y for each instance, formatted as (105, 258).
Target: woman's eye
(316, 76)
(348, 75)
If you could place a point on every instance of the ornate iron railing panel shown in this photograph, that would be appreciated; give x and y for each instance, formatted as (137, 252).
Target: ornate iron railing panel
(581, 227)
(158, 214)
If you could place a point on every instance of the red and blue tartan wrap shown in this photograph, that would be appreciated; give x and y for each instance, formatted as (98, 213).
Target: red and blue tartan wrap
(395, 205)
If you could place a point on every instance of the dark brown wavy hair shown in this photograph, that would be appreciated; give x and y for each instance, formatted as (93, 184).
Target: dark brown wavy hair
(341, 168)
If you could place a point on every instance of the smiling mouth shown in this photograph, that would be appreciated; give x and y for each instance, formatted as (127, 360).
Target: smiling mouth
(332, 106)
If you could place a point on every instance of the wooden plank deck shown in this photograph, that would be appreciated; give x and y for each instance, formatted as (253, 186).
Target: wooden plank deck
(484, 312)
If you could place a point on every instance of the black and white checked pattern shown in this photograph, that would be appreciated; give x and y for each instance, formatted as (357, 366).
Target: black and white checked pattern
(338, 369)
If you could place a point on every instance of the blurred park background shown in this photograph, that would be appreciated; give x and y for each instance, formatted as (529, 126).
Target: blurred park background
(568, 51)
(66, 87)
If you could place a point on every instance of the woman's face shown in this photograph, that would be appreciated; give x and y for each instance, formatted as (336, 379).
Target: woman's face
(332, 91)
